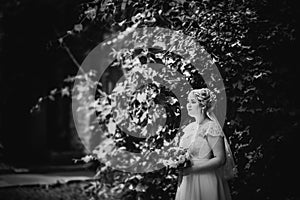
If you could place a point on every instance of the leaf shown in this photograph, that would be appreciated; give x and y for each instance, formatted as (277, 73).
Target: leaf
(78, 27)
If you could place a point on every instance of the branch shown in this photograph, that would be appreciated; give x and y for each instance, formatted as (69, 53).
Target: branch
(72, 57)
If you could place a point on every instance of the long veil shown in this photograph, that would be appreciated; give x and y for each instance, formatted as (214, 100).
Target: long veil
(229, 168)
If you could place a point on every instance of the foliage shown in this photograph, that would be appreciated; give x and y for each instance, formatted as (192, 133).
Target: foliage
(239, 38)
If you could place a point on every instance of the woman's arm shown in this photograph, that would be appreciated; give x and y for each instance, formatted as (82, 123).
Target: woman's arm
(218, 147)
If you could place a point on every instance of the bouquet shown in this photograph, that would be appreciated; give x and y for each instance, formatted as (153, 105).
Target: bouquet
(178, 159)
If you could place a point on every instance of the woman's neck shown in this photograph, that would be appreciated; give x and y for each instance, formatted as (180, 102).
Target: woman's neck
(200, 119)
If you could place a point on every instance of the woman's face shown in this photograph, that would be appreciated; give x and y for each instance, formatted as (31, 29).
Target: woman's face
(193, 106)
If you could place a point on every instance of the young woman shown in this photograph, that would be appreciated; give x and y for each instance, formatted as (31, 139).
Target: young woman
(210, 153)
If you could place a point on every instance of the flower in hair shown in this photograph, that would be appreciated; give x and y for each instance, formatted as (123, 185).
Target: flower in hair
(205, 97)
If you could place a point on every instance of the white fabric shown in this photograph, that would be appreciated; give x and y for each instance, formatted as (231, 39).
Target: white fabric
(208, 185)
(229, 168)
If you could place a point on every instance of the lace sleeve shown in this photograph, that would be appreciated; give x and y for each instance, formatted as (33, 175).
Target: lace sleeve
(213, 130)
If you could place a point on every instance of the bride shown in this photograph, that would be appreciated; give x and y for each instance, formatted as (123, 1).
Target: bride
(211, 157)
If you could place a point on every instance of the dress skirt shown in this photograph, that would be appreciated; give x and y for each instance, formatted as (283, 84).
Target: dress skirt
(209, 185)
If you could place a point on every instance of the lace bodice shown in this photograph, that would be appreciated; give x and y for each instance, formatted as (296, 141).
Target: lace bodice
(195, 138)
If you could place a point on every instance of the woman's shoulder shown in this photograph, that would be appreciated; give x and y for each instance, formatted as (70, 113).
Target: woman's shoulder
(212, 128)
(210, 123)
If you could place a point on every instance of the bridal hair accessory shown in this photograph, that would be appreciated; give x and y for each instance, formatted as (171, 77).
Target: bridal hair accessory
(206, 97)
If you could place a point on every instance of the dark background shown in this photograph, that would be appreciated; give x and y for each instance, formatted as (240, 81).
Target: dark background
(32, 64)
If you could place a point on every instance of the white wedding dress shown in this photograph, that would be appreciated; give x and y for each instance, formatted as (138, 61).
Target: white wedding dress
(209, 185)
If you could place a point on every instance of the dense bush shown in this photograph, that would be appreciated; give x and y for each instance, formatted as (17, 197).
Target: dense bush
(243, 38)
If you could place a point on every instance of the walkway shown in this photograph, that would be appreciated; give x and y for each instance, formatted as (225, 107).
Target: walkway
(64, 176)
